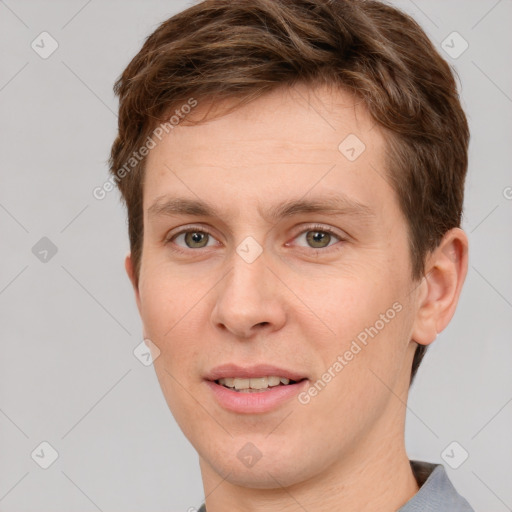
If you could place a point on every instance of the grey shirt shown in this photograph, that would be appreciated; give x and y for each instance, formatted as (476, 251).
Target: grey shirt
(436, 493)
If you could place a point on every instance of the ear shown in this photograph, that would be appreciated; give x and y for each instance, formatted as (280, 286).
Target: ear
(130, 270)
(446, 268)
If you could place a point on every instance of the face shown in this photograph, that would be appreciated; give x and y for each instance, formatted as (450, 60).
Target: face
(294, 259)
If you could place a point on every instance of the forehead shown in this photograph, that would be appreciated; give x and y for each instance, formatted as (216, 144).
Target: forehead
(281, 146)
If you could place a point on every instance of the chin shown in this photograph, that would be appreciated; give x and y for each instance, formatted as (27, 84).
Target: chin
(266, 476)
(268, 467)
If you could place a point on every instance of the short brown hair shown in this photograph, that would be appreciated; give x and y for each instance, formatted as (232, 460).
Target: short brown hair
(241, 49)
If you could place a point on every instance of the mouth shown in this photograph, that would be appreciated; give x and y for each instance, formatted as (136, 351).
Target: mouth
(249, 400)
(255, 384)
(255, 389)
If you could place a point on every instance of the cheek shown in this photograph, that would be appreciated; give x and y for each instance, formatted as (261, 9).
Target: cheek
(167, 301)
(171, 322)
(348, 305)
(360, 366)
(167, 324)
(370, 320)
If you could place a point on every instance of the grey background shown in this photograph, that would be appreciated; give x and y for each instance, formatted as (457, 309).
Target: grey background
(69, 325)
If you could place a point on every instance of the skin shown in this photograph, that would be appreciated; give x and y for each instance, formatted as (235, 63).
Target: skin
(344, 449)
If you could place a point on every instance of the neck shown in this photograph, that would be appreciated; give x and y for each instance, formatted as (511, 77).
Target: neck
(375, 475)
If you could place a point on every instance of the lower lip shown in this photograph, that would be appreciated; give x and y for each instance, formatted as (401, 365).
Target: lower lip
(255, 402)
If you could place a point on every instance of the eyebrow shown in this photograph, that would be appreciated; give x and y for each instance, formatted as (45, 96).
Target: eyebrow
(330, 205)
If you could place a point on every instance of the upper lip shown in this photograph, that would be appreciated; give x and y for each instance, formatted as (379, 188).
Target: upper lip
(246, 372)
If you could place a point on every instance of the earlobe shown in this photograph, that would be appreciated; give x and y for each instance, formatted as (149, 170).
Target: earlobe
(439, 292)
(130, 271)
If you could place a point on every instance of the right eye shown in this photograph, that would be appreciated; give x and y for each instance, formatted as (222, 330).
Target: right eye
(192, 238)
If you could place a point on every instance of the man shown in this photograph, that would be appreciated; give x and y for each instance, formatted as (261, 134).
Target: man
(294, 174)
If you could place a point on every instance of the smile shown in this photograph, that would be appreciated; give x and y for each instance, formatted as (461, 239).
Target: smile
(253, 384)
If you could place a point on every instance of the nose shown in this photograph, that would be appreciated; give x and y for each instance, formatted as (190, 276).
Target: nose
(250, 299)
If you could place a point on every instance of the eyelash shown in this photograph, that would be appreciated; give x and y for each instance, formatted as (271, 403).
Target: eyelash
(312, 227)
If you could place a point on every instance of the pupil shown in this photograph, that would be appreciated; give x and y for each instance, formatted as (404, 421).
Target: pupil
(316, 237)
(195, 238)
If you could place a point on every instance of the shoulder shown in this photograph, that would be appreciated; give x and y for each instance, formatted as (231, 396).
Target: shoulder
(436, 493)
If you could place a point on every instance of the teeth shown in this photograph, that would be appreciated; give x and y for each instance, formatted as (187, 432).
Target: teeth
(258, 383)
(253, 383)
(242, 384)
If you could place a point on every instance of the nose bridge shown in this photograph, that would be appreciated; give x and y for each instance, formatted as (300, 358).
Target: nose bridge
(247, 298)
(249, 274)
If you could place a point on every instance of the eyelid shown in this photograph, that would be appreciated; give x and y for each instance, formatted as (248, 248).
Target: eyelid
(320, 227)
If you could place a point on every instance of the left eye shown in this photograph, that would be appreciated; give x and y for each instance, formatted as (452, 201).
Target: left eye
(318, 238)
